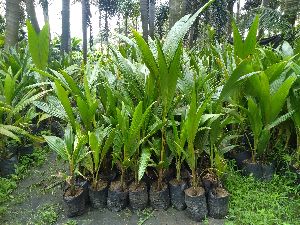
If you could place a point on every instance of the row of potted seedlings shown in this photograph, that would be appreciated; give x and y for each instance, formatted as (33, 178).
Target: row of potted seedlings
(209, 198)
(200, 199)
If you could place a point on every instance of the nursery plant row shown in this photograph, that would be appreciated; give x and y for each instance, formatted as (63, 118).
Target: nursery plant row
(153, 122)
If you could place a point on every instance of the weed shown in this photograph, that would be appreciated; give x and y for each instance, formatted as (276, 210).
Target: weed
(258, 202)
(46, 215)
(144, 215)
(8, 185)
(70, 222)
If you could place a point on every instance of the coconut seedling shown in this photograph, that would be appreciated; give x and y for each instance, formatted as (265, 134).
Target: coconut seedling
(263, 114)
(100, 142)
(176, 140)
(126, 149)
(219, 144)
(293, 105)
(72, 149)
(164, 64)
(194, 196)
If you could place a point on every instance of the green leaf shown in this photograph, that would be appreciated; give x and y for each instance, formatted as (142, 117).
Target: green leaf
(27, 101)
(255, 118)
(279, 97)
(57, 145)
(275, 70)
(6, 132)
(233, 82)
(83, 109)
(94, 145)
(39, 45)
(147, 55)
(280, 119)
(108, 143)
(246, 48)
(51, 109)
(250, 42)
(237, 40)
(144, 160)
(9, 88)
(63, 97)
(178, 31)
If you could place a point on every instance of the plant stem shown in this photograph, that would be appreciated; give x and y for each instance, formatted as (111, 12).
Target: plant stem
(178, 170)
(122, 178)
(194, 181)
(136, 176)
(254, 149)
(298, 146)
(72, 180)
(162, 155)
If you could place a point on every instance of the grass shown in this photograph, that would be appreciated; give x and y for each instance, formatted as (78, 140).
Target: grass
(46, 215)
(8, 185)
(144, 215)
(267, 203)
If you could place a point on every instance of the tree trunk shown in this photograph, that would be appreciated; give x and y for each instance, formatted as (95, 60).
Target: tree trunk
(91, 41)
(126, 24)
(30, 10)
(230, 5)
(144, 5)
(291, 8)
(177, 10)
(84, 29)
(151, 18)
(100, 26)
(65, 36)
(238, 10)
(264, 4)
(106, 31)
(13, 13)
(45, 6)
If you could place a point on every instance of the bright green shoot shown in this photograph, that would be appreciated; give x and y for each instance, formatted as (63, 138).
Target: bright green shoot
(100, 142)
(293, 105)
(264, 107)
(39, 45)
(191, 123)
(176, 141)
(71, 149)
(128, 139)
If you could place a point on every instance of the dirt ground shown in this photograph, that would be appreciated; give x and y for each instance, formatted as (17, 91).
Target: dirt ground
(38, 201)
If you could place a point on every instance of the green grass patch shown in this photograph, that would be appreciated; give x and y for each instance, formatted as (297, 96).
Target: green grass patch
(8, 185)
(46, 215)
(257, 202)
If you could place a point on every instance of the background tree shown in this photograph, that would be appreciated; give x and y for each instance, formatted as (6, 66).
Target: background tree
(162, 16)
(30, 10)
(110, 8)
(177, 10)
(291, 9)
(65, 36)
(151, 18)
(129, 10)
(144, 7)
(86, 14)
(13, 14)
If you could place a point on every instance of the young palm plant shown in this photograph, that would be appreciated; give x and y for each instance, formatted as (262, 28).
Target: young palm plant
(163, 62)
(72, 149)
(128, 139)
(126, 152)
(100, 142)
